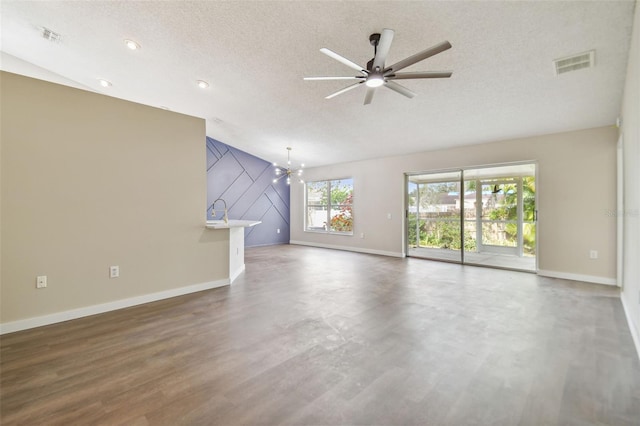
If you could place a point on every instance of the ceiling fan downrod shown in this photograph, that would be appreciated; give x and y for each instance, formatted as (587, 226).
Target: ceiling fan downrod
(374, 39)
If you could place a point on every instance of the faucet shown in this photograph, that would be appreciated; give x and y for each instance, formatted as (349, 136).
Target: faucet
(213, 210)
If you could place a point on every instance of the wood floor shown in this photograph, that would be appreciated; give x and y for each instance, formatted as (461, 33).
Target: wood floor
(310, 336)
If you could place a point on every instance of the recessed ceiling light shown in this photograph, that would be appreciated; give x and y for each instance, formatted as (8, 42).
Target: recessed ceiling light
(202, 84)
(132, 44)
(104, 83)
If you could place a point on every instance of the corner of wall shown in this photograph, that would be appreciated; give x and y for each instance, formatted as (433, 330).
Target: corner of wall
(630, 132)
(246, 184)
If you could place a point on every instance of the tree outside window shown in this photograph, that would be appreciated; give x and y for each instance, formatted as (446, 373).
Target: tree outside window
(329, 206)
(438, 220)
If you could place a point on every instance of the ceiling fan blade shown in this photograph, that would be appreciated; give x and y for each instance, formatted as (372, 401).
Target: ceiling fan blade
(400, 89)
(419, 57)
(342, 59)
(334, 78)
(382, 50)
(369, 96)
(346, 89)
(427, 74)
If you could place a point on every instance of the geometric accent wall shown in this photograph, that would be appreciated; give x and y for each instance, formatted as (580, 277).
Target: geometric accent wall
(245, 182)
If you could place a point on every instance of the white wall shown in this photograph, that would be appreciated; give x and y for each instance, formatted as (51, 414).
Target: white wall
(90, 181)
(631, 214)
(576, 194)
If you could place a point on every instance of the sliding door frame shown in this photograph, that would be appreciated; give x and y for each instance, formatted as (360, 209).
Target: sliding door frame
(405, 228)
(520, 212)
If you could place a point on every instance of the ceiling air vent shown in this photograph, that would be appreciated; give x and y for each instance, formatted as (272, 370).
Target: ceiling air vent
(575, 62)
(50, 35)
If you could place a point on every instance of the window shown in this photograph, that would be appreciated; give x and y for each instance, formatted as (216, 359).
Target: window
(329, 206)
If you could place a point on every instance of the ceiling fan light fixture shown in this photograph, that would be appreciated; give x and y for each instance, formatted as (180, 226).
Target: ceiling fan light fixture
(376, 73)
(374, 80)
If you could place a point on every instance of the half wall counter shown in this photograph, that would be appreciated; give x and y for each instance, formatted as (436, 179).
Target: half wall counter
(236, 242)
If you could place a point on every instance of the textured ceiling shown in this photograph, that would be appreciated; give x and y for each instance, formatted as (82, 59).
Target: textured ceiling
(255, 54)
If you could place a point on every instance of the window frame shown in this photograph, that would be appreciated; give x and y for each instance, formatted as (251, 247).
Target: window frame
(328, 205)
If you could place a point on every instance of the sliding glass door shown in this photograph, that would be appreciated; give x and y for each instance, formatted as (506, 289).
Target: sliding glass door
(498, 225)
(434, 215)
(491, 222)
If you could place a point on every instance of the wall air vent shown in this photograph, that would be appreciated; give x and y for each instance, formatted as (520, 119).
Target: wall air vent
(575, 62)
(50, 35)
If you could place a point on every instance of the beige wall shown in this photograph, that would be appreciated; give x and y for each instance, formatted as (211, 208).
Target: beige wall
(90, 181)
(631, 139)
(576, 193)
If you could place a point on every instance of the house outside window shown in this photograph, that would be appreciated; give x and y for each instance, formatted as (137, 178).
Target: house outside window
(328, 206)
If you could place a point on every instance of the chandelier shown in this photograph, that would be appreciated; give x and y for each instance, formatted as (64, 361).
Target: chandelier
(287, 171)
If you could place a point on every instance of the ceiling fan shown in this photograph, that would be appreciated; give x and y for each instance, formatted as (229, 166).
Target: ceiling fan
(376, 74)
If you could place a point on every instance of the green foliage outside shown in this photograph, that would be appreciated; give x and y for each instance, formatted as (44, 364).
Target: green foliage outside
(438, 232)
(508, 211)
(341, 200)
(343, 221)
(340, 191)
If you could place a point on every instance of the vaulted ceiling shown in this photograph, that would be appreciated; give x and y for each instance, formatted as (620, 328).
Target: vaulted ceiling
(254, 55)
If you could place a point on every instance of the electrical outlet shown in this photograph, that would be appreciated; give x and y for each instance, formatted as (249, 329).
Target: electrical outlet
(389, 216)
(362, 235)
(593, 254)
(278, 231)
(114, 271)
(41, 281)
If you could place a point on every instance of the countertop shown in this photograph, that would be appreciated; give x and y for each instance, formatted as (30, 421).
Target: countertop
(233, 223)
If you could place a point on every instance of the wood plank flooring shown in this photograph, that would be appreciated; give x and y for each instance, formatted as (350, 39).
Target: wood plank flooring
(311, 336)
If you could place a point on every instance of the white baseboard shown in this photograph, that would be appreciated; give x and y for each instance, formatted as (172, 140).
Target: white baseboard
(279, 243)
(236, 273)
(578, 277)
(25, 324)
(635, 333)
(346, 248)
